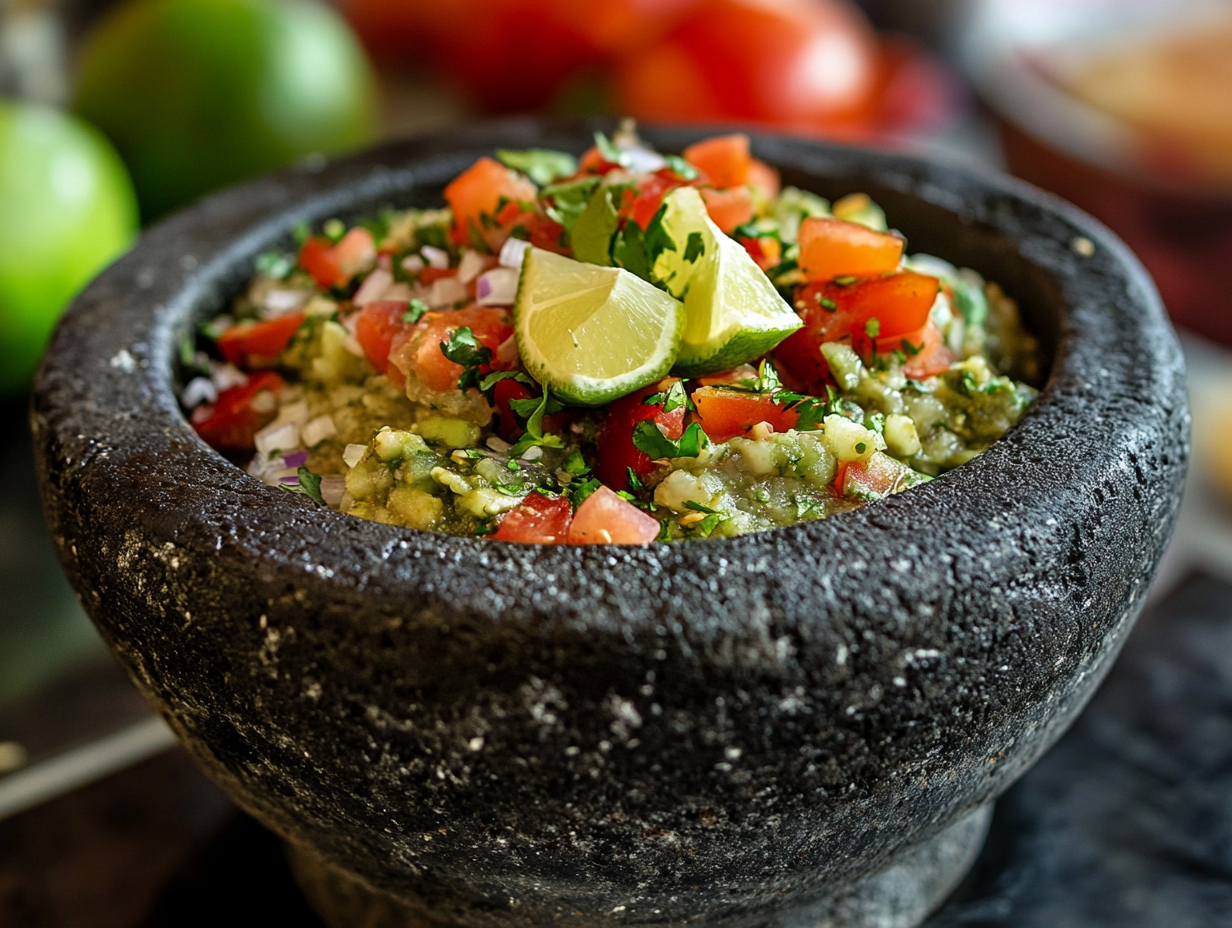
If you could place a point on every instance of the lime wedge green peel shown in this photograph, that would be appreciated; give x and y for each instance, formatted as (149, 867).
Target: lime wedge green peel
(733, 312)
(592, 334)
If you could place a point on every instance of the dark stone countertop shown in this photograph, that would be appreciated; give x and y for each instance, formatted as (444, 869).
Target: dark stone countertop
(1127, 822)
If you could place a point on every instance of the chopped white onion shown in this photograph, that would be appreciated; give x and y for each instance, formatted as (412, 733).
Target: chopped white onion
(226, 376)
(282, 437)
(263, 402)
(352, 454)
(351, 345)
(280, 301)
(317, 430)
(333, 488)
(497, 287)
(401, 293)
(293, 412)
(471, 266)
(507, 352)
(373, 288)
(197, 391)
(412, 264)
(446, 292)
(533, 453)
(512, 252)
(641, 160)
(436, 257)
(498, 444)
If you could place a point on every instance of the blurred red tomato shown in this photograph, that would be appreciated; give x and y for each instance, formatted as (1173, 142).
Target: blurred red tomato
(510, 54)
(806, 65)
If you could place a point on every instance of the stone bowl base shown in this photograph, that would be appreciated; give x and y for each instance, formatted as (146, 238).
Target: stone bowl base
(902, 895)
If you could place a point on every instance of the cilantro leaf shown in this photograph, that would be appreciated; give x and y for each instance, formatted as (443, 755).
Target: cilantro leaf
(591, 237)
(629, 250)
(694, 247)
(872, 328)
(681, 167)
(415, 310)
(492, 379)
(309, 485)
(274, 264)
(648, 438)
(574, 464)
(675, 397)
(656, 238)
(578, 492)
(607, 148)
(542, 165)
(463, 348)
(567, 201)
(534, 434)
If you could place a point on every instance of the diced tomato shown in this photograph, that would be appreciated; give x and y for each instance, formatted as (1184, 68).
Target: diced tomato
(932, 356)
(333, 265)
(258, 344)
(899, 303)
(729, 208)
(485, 189)
(879, 476)
(766, 252)
(379, 323)
(230, 422)
(417, 349)
(430, 275)
(617, 453)
(593, 163)
(832, 248)
(724, 414)
(724, 160)
(651, 189)
(537, 520)
(764, 179)
(606, 519)
(546, 233)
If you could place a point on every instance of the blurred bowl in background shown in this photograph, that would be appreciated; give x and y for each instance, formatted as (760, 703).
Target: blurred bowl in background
(1124, 107)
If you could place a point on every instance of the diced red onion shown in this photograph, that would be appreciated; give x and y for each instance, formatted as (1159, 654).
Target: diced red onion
(289, 481)
(497, 287)
(512, 252)
(436, 257)
(295, 459)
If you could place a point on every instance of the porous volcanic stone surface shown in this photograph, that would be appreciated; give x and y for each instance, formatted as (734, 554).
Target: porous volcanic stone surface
(705, 732)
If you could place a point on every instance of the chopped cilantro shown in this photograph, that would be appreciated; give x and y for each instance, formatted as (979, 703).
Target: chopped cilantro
(846, 280)
(635, 482)
(566, 202)
(826, 303)
(675, 397)
(607, 148)
(462, 348)
(309, 485)
(542, 165)
(334, 229)
(872, 328)
(698, 507)
(578, 492)
(694, 247)
(573, 464)
(274, 264)
(414, 311)
(301, 233)
(911, 349)
(861, 447)
(629, 250)
(681, 167)
(592, 234)
(648, 438)
(534, 434)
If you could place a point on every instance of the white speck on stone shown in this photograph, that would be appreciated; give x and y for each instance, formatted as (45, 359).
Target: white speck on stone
(900, 681)
(146, 277)
(733, 753)
(475, 744)
(840, 656)
(1082, 246)
(572, 751)
(123, 361)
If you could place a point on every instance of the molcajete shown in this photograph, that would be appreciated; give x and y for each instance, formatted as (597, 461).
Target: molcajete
(794, 727)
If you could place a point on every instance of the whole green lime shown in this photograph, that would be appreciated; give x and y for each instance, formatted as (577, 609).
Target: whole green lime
(197, 94)
(67, 208)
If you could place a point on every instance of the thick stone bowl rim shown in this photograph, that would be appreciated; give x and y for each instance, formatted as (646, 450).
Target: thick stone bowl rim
(188, 266)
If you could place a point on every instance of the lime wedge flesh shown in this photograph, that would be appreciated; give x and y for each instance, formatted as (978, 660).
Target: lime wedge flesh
(592, 334)
(733, 312)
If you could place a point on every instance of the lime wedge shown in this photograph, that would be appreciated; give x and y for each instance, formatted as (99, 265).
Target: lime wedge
(592, 334)
(733, 312)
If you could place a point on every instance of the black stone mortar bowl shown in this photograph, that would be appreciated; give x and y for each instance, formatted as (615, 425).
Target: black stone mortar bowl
(801, 727)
